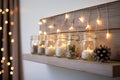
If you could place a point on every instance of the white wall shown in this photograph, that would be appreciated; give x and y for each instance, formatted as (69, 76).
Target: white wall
(31, 12)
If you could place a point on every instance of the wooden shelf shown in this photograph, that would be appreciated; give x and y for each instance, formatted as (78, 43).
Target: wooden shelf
(111, 69)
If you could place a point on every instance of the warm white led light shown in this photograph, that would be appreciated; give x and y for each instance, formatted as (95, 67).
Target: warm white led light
(45, 33)
(99, 21)
(82, 19)
(44, 21)
(8, 63)
(0, 28)
(11, 72)
(88, 27)
(67, 16)
(12, 68)
(7, 10)
(0, 10)
(2, 61)
(108, 35)
(10, 33)
(40, 23)
(58, 30)
(12, 40)
(40, 32)
(3, 58)
(2, 49)
(3, 12)
(11, 58)
(2, 71)
(51, 26)
(6, 22)
(11, 23)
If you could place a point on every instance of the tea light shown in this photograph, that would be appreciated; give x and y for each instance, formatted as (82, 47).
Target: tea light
(87, 54)
(41, 49)
(49, 51)
(60, 51)
(34, 48)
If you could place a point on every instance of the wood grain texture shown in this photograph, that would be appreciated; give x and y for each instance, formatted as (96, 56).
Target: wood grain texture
(114, 22)
(111, 69)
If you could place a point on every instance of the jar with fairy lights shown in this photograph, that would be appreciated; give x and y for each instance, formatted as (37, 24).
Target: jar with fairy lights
(61, 45)
(73, 46)
(50, 45)
(88, 46)
(41, 44)
(34, 44)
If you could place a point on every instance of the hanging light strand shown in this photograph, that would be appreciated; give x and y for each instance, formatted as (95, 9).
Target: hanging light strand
(88, 21)
(108, 35)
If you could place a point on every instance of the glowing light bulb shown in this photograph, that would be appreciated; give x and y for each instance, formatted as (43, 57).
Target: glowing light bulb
(0, 10)
(12, 40)
(99, 21)
(2, 49)
(40, 32)
(12, 68)
(10, 33)
(11, 72)
(67, 16)
(88, 27)
(0, 28)
(40, 23)
(44, 21)
(6, 22)
(58, 30)
(11, 58)
(8, 63)
(3, 12)
(2, 61)
(11, 23)
(3, 58)
(11, 12)
(2, 71)
(108, 35)
(82, 19)
(51, 26)
(7, 10)
(71, 28)
(45, 33)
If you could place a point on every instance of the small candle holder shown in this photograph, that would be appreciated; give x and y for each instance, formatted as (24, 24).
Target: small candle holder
(73, 46)
(34, 44)
(50, 45)
(41, 45)
(61, 45)
(88, 46)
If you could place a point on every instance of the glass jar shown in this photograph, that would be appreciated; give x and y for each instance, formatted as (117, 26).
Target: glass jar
(61, 45)
(41, 44)
(73, 46)
(50, 45)
(88, 46)
(34, 44)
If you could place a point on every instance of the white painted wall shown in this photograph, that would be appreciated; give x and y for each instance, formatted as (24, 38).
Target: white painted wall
(31, 12)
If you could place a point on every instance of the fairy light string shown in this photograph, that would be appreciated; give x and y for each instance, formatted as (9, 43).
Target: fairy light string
(7, 25)
(108, 34)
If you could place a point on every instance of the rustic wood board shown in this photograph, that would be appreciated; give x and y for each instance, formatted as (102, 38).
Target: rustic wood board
(111, 69)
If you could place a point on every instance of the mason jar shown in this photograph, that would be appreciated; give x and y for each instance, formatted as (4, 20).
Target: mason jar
(73, 46)
(41, 44)
(61, 45)
(88, 46)
(50, 45)
(34, 44)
